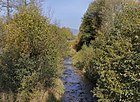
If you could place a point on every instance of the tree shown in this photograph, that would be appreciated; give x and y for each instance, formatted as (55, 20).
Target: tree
(7, 5)
(91, 23)
(67, 32)
(33, 50)
(14, 5)
(114, 52)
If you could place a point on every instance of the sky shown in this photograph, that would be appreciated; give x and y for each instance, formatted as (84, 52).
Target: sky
(66, 13)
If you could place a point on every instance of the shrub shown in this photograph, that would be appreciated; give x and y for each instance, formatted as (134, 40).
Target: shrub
(32, 53)
(115, 52)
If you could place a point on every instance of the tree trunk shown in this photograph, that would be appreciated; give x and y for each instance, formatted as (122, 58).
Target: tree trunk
(8, 8)
(25, 3)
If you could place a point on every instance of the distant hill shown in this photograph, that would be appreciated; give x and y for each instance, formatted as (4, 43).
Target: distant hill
(74, 31)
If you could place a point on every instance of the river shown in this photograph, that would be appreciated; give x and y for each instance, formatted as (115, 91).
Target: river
(77, 88)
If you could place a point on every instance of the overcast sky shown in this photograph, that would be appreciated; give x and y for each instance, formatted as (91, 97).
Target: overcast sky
(67, 12)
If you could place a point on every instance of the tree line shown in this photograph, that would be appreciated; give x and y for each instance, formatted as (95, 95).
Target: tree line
(32, 52)
(108, 49)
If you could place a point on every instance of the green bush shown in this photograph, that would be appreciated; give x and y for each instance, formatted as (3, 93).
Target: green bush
(119, 79)
(115, 52)
(32, 53)
(83, 61)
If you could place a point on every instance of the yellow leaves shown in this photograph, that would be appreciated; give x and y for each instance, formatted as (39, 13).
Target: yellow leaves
(67, 33)
(113, 81)
(137, 37)
(113, 50)
(32, 52)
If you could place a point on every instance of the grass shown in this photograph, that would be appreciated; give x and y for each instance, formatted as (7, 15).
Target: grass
(53, 94)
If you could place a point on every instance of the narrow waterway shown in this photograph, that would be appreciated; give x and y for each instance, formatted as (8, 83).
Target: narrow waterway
(77, 89)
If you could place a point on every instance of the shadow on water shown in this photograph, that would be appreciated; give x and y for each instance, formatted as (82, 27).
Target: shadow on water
(77, 89)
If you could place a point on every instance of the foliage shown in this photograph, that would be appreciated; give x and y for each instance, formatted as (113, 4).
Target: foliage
(67, 32)
(70, 39)
(83, 61)
(115, 52)
(32, 53)
(91, 23)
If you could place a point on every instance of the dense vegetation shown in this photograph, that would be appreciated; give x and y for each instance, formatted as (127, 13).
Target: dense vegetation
(32, 52)
(108, 48)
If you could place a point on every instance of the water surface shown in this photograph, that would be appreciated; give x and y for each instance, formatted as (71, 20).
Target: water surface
(77, 89)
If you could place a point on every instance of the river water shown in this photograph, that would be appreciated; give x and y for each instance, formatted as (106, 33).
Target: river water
(77, 89)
